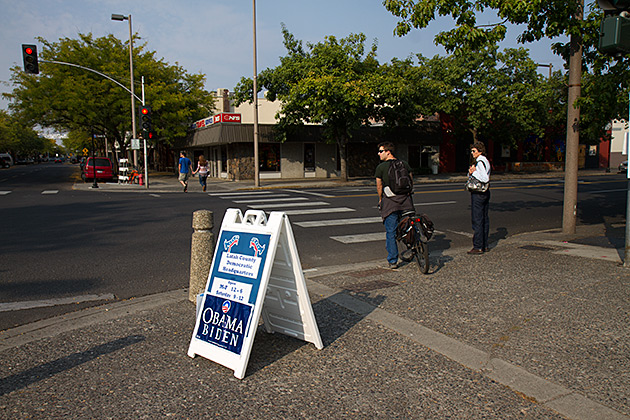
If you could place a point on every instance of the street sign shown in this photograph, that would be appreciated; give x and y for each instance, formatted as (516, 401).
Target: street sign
(135, 144)
(249, 278)
(85, 151)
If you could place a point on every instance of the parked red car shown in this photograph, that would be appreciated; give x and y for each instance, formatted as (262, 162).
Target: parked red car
(104, 169)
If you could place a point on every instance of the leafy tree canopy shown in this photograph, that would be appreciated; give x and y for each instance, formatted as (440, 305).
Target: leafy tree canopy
(329, 83)
(67, 98)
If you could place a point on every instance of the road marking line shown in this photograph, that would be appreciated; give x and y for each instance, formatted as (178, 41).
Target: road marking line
(311, 193)
(356, 239)
(5, 192)
(239, 193)
(16, 306)
(607, 191)
(339, 222)
(50, 192)
(155, 195)
(270, 200)
(466, 234)
(299, 212)
(435, 203)
(278, 206)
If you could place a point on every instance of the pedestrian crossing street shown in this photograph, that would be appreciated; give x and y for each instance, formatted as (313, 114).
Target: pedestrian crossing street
(299, 205)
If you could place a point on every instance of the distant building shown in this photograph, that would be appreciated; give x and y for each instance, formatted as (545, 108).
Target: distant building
(226, 141)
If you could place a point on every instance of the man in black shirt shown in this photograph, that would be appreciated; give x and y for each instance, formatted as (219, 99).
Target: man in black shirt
(390, 205)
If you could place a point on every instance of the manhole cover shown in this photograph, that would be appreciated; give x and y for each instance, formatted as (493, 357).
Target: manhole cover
(370, 285)
(536, 248)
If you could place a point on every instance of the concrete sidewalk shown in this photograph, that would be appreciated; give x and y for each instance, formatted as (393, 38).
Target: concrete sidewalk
(532, 329)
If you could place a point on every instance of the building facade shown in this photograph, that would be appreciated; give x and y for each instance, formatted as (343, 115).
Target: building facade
(226, 141)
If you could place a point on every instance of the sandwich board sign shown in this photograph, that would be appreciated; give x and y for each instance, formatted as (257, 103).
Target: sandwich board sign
(255, 271)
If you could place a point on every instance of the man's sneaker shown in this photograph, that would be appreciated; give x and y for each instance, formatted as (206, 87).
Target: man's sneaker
(393, 266)
(475, 251)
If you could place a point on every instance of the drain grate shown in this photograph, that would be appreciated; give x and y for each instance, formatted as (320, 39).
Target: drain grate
(537, 248)
(370, 285)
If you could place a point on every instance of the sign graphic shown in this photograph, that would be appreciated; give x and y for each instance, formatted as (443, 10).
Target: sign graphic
(224, 323)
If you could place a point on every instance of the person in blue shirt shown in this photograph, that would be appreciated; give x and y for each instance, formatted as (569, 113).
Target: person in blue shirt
(185, 169)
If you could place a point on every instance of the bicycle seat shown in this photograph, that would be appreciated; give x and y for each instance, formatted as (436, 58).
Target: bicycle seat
(408, 213)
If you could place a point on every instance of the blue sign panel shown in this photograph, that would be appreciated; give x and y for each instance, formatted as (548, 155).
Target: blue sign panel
(224, 323)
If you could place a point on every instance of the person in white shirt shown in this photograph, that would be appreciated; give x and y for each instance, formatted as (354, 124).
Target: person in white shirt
(480, 201)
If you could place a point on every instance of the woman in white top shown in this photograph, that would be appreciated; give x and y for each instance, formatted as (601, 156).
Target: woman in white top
(480, 201)
(202, 168)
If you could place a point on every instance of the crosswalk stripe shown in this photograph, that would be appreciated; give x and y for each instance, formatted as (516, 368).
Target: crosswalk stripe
(435, 203)
(282, 205)
(50, 191)
(5, 192)
(271, 200)
(240, 193)
(317, 211)
(311, 193)
(339, 222)
(355, 239)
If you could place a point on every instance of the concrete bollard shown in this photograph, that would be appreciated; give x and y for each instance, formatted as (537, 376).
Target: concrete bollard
(201, 252)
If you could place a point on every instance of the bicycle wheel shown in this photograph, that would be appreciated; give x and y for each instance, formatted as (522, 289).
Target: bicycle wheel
(421, 252)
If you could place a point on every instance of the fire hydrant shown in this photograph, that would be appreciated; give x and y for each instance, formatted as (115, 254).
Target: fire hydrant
(141, 179)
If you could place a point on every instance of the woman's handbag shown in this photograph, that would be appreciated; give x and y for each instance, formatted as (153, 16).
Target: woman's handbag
(474, 185)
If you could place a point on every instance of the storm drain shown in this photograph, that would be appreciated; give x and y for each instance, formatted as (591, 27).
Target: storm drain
(537, 248)
(370, 285)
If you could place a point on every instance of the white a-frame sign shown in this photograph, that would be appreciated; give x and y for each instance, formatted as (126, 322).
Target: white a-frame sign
(255, 270)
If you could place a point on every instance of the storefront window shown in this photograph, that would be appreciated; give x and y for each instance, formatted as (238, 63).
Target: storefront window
(269, 157)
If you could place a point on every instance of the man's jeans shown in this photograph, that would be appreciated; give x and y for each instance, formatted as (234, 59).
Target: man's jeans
(479, 204)
(391, 223)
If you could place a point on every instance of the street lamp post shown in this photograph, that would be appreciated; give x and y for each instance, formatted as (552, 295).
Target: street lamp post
(133, 100)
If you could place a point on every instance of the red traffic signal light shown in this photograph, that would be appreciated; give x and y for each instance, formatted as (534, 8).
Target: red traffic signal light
(29, 55)
(145, 117)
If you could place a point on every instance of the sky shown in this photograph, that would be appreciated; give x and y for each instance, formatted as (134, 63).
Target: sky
(215, 38)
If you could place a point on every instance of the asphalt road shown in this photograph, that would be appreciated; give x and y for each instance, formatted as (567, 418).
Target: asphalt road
(64, 249)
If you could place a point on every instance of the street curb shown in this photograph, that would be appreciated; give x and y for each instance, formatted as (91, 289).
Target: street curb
(51, 327)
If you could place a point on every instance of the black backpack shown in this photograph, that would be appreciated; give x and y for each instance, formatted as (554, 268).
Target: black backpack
(400, 181)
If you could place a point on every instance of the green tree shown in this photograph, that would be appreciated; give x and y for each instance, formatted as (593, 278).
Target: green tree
(491, 94)
(67, 98)
(542, 19)
(19, 138)
(328, 83)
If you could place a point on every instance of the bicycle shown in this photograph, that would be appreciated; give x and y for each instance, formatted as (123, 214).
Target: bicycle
(412, 234)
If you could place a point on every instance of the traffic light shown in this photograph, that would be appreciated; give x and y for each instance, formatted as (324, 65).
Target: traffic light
(145, 120)
(614, 35)
(29, 54)
(610, 5)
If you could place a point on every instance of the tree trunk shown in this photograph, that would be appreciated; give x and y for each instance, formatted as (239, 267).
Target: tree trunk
(569, 214)
(341, 143)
